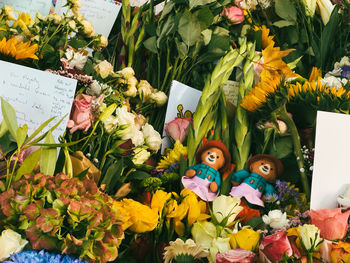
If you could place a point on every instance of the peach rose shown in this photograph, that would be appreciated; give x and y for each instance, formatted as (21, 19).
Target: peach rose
(81, 113)
(273, 247)
(332, 223)
(178, 128)
(234, 14)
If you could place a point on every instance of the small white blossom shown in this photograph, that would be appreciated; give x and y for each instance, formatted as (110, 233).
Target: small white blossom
(276, 219)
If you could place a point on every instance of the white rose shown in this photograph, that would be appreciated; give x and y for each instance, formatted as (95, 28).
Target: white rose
(276, 219)
(310, 236)
(104, 68)
(77, 14)
(226, 206)
(124, 117)
(218, 245)
(141, 155)
(75, 59)
(94, 89)
(131, 91)
(159, 97)
(72, 24)
(55, 17)
(135, 135)
(144, 90)
(103, 42)
(152, 137)
(332, 81)
(10, 243)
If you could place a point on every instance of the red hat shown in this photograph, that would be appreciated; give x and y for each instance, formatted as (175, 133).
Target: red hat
(217, 144)
(277, 162)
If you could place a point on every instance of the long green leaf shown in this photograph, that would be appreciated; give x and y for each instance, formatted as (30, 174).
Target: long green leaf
(28, 164)
(21, 135)
(9, 114)
(38, 130)
(48, 156)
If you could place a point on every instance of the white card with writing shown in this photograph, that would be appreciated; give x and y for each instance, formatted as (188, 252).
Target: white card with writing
(37, 96)
(331, 162)
(182, 103)
(101, 13)
(29, 6)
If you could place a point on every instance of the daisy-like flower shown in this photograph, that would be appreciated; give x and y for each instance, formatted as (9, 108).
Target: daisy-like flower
(173, 156)
(181, 250)
(18, 51)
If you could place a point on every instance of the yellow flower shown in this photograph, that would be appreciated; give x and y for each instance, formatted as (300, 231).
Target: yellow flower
(173, 156)
(9, 12)
(246, 239)
(340, 252)
(158, 200)
(17, 50)
(137, 217)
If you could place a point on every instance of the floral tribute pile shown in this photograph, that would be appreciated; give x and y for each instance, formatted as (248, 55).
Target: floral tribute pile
(234, 184)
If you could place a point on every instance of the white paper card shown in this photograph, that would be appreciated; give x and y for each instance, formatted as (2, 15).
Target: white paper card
(101, 13)
(29, 6)
(37, 96)
(182, 103)
(331, 162)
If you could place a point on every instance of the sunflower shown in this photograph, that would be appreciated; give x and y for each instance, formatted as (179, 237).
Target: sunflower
(18, 51)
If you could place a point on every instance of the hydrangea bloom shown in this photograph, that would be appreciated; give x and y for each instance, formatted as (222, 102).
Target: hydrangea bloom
(33, 256)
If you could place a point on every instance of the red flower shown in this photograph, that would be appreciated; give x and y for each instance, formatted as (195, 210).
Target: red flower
(234, 14)
(273, 247)
(236, 255)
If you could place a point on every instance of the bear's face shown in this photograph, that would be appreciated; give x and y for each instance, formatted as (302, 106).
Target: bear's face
(266, 168)
(213, 157)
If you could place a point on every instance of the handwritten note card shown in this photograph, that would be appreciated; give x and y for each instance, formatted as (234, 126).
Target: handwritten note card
(101, 13)
(331, 162)
(37, 96)
(29, 6)
(182, 103)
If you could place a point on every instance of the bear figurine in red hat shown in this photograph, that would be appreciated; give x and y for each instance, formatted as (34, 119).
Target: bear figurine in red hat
(258, 182)
(204, 178)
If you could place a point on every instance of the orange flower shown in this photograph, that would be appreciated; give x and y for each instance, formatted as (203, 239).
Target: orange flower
(340, 252)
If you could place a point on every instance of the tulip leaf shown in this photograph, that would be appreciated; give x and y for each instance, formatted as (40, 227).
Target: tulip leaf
(112, 175)
(151, 44)
(28, 164)
(138, 175)
(9, 114)
(286, 10)
(255, 221)
(48, 156)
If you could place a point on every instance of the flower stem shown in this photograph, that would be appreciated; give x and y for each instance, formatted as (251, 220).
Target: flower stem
(283, 115)
(310, 260)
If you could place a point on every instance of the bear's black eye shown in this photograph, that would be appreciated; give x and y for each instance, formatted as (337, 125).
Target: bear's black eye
(208, 152)
(217, 157)
(262, 163)
(271, 169)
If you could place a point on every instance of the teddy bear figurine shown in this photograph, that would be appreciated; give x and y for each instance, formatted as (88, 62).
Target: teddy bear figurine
(264, 169)
(204, 178)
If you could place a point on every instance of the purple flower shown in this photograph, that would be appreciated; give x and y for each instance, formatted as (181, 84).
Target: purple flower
(33, 256)
(345, 71)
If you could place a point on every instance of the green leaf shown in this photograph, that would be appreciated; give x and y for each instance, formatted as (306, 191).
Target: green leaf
(151, 44)
(47, 50)
(285, 9)
(82, 175)
(189, 28)
(113, 174)
(8, 143)
(28, 164)
(48, 156)
(283, 23)
(21, 135)
(255, 221)
(167, 9)
(281, 147)
(138, 175)
(181, 48)
(194, 3)
(205, 17)
(41, 127)
(77, 43)
(207, 36)
(9, 114)
(3, 128)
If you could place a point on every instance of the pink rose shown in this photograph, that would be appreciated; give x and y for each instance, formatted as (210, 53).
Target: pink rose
(234, 14)
(332, 223)
(273, 247)
(236, 255)
(178, 128)
(81, 113)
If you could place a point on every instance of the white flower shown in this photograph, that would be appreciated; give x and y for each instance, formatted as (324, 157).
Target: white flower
(344, 199)
(203, 232)
(159, 97)
(310, 7)
(135, 135)
(103, 42)
(104, 68)
(124, 117)
(132, 81)
(127, 72)
(332, 81)
(56, 18)
(152, 137)
(226, 207)
(94, 89)
(75, 59)
(310, 236)
(179, 247)
(9, 12)
(218, 245)
(110, 123)
(72, 24)
(141, 155)
(10, 243)
(326, 8)
(144, 90)
(131, 91)
(276, 219)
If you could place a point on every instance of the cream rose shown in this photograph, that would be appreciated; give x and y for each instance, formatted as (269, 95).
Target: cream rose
(152, 137)
(104, 68)
(141, 155)
(159, 97)
(276, 219)
(10, 243)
